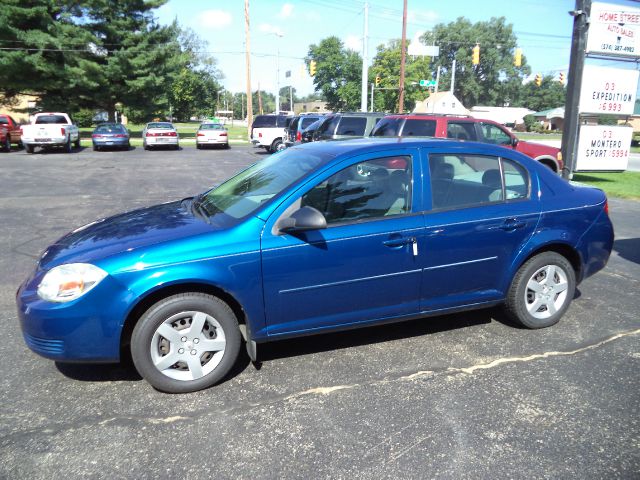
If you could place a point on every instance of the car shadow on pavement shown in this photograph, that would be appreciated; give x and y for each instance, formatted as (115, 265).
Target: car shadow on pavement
(98, 372)
(628, 248)
(377, 334)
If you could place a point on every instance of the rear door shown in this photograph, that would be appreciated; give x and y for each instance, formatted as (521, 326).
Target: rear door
(462, 130)
(482, 213)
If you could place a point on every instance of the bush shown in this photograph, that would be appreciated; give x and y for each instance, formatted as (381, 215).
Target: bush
(84, 117)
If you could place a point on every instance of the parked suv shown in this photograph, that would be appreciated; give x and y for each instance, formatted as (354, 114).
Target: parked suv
(347, 125)
(267, 131)
(466, 128)
(298, 123)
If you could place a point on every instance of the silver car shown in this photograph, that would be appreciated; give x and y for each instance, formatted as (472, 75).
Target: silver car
(212, 134)
(160, 134)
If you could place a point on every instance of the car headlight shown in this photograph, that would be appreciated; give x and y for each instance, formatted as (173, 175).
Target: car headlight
(68, 282)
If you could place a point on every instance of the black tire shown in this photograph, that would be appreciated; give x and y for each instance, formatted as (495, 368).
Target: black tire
(198, 146)
(20, 145)
(146, 147)
(29, 148)
(178, 312)
(77, 143)
(553, 274)
(96, 148)
(276, 146)
(67, 146)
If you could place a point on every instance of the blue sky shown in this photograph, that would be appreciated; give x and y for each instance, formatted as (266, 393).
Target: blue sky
(543, 29)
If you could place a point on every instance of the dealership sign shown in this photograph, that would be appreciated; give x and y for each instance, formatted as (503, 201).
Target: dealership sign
(608, 90)
(614, 30)
(604, 148)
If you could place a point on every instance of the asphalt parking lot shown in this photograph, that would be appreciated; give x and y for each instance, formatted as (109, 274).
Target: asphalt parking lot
(459, 396)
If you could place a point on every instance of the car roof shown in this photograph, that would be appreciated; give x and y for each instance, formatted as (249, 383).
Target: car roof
(427, 116)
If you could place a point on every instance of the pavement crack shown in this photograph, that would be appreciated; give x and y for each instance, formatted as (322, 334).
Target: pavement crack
(501, 361)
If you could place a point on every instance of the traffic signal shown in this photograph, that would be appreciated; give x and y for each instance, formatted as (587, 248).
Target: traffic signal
(312, 68)
(517, 60)
(538, 79)
(561, 78)
(476, 55)
(378, 80)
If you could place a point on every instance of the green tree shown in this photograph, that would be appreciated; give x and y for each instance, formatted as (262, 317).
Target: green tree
(285, 102)
(338, 73)
(386, 66)
(495, 80)
(550, 94)
(44, 48)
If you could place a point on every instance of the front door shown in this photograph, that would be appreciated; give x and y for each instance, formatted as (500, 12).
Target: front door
(364, 265)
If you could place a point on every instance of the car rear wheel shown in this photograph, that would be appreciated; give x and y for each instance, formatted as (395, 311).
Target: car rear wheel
(7, 144)
(186, 342)
(29, 148)
(541, 291)
(277, 145)
(77, 143)
(67, 146)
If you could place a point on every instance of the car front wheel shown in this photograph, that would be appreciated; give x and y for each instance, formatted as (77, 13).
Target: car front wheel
(541, 290)
(186, 342)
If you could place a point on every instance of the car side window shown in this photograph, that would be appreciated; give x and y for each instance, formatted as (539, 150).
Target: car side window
(494, 134)
(467, 180)
(352, 126)
(329, 126)
(373, 189)
(516, 180)
(420, 128)
(461, 130)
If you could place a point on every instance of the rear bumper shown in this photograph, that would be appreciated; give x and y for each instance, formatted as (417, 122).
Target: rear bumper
(159, 141)
(45, 142)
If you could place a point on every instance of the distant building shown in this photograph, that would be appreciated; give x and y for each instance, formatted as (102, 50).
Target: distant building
(311, 107)
(21, 108)
(552, 119)
(443, 103)
(510, 116)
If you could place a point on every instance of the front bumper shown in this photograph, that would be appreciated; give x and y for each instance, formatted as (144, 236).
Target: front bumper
(87, 329)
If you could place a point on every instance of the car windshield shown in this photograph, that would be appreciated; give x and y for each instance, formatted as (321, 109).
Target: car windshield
(211, 126)
(243, 194)
(160, 125)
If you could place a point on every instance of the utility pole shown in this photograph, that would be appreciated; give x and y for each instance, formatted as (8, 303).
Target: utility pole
(403, 55)
(248, 62)
(453, 74)
(290, 97)
(437, 80)
(574, 83)
(365, 60)
(279, 36)
(259, 99)
(373, 86)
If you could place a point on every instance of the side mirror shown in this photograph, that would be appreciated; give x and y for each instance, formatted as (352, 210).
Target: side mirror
(305, 218)
(514, 142)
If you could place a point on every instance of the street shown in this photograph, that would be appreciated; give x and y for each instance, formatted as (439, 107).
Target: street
(468, 395)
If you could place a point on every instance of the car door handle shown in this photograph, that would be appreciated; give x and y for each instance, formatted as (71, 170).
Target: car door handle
(511, 224)
(399, 242)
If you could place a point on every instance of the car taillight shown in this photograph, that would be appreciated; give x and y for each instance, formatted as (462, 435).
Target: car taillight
(169, 134)
(119, 135)
(259, 134)
(606, 206)
(62, 131)
(95, 135)
(224, 134)
(298, 136)
(149, 134)
(200, 134)
(21, 131)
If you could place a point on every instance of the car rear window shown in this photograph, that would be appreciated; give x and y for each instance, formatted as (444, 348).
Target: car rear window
(159, 125)
(4, 121)
(110, 129)
(306, 121)
(283, 121)
(51, 119)
(294, 124)
(387, 127)
(264, 121)
(419, 128)
(211, 126)
(352, 126)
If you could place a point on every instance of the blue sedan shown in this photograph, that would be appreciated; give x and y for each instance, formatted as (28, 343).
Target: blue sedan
(319, 237)
(110, 135)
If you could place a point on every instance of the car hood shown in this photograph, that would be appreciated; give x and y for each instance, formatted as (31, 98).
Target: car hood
(127, 232)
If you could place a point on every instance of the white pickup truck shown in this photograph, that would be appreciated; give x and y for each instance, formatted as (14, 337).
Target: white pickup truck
(50, 130)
